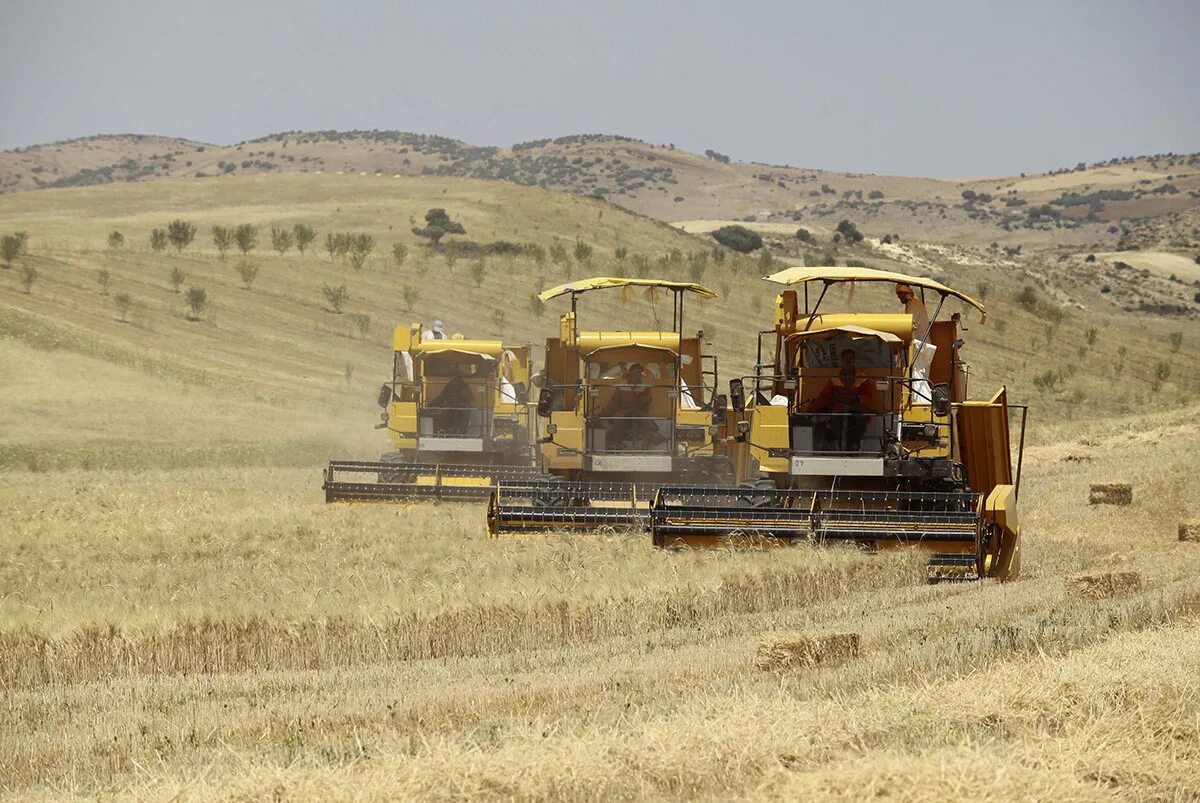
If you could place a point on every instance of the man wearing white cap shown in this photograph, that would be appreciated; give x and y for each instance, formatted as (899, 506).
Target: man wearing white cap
(437, 333)
(924, 351)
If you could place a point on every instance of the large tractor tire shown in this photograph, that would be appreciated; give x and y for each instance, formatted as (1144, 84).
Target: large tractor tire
(398, 474)
(751, 492)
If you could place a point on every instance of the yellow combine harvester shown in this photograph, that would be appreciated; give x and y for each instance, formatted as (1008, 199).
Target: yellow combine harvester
(459, 416)
(625, 412)
(857, 427)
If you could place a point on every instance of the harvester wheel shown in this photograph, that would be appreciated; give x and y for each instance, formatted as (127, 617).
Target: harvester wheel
(750, 492)
(551, 492)
(397, 475)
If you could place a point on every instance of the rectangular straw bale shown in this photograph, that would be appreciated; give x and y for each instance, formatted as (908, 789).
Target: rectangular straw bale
(1113, 493)
(783, 650)
(1189, 530)
(1100, 586)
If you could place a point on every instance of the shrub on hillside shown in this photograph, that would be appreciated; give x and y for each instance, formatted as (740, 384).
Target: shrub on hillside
(437, 225)
(223, 239)
(583, 251)
(336, 296)
(178, 277)
(738, 238)
(245, 237)
(805, 236)
(362, 321)
(281, 239)
(116, 240)
(124, 302)
(399, 254)
(1028, 298)
(10, 249)
(247, 271)
(197, 300)
(29, 275)
(304, 235)
(558, 253)
(103, 279)
(849, 232)
(181, 233)
(158, 240)
(361, 246)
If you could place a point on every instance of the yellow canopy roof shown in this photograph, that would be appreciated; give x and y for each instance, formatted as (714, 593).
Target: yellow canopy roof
(835, 274)
(601, 282)
(489, 349)
(855, 333)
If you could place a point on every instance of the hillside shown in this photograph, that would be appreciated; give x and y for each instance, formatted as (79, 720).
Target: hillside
(290, 375)
(1101, 202)
(184, 617)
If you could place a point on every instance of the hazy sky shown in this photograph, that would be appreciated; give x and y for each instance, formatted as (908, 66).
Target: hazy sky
(948, 89)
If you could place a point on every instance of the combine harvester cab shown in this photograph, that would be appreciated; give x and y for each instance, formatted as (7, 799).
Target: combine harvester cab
(458, 413)
(856, 427)
(624, 412)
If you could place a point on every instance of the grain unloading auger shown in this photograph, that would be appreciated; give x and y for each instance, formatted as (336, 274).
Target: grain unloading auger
(625, 413)
(857, 428)
(459, 415)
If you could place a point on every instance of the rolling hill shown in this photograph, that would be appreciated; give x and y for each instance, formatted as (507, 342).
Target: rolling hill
(270, 371)
(1085, 203)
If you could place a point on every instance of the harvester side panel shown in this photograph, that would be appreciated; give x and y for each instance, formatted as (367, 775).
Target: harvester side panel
(983, 442)
(1000, 513)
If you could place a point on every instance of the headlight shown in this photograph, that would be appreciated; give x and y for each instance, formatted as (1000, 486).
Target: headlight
(551, 429)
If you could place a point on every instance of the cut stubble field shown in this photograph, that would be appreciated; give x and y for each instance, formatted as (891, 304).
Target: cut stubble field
(221, 633)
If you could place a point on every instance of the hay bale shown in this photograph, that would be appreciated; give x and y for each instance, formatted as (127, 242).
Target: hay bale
(1189, 530)
(1114, 493)
(785, 650)
(1101, 586)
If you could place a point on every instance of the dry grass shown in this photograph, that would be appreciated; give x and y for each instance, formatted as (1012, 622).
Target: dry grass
(182, 617)
(223, 634)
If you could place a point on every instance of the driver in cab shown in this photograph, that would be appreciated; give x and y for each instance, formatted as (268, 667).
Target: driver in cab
(842, 407)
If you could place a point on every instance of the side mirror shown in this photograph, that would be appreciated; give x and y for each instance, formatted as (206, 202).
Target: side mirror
(941, 399)
(385, 395)
(737, 395)
(720, 407)
(545, 402)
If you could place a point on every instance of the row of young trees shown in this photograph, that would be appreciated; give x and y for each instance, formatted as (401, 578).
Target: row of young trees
(179, 234)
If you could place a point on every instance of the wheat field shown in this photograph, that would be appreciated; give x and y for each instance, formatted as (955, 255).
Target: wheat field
(182, 617)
